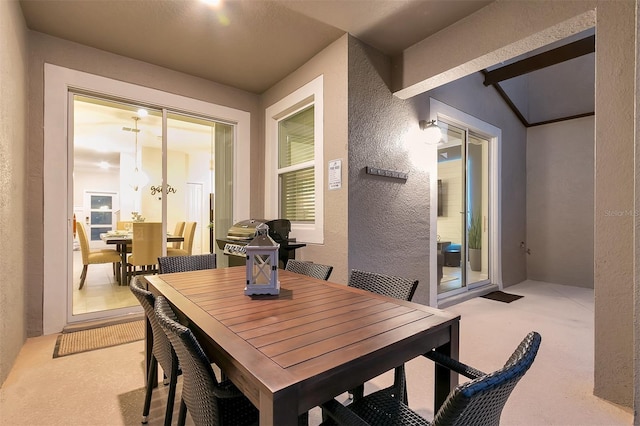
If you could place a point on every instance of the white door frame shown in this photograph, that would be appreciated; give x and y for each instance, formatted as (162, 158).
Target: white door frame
(440, 110)
(58, 211)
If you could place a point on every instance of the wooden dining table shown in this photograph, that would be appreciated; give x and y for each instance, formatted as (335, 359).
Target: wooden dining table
(315, 340)
(122, 240)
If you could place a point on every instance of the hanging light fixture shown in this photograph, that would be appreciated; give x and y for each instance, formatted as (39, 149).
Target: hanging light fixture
(139, 179)
(433, 134)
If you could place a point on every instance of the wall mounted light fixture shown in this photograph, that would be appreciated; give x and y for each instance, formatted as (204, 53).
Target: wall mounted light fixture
(433, 134)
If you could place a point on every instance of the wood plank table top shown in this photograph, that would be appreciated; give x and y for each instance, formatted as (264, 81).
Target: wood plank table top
(315, 340)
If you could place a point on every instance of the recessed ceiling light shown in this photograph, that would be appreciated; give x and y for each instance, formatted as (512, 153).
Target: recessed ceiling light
(104, 165)
(213, 3)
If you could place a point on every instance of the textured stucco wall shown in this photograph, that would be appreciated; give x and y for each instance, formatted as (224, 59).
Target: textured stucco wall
(13, 154)
(470, 96)
(332, 64)
(560, 160)
(56, 51)
(388, 218)
(614, 182)
(507, 28)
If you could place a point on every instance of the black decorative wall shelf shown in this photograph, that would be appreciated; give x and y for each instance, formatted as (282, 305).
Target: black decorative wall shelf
(395, 174)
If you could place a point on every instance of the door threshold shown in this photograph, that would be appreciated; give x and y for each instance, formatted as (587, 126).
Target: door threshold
(468, 295)
(88, 325)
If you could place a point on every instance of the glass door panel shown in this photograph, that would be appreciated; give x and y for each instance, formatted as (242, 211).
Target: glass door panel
(477, 208)
(463, 194)
(118, 177)
(451, 199)
(106, 190)
(190, 177)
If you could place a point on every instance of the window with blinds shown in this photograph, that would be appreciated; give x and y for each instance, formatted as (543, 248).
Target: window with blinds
(296, 166)
(294, 161)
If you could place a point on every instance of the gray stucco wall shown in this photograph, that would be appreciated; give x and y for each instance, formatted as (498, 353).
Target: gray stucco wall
(13, 154)
(560, 159)
(46, 49)
(497, 33)
(388, 218)
(470, 96)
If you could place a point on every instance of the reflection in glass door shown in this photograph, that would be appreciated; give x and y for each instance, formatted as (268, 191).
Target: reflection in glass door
(124, 169)
(463, 194)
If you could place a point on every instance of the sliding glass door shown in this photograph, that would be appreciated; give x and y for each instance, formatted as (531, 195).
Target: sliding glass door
(463, 210)
(138, 163)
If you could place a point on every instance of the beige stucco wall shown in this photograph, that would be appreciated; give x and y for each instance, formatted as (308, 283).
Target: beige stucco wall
(560, 161)
(614, 173)
(332, 64)
(505, 29)
(47, 49)
(13, 155)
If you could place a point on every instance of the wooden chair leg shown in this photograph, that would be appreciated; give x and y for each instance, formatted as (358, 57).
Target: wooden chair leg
(83, 275)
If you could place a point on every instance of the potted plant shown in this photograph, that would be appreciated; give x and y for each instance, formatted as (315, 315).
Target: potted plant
(475, 243)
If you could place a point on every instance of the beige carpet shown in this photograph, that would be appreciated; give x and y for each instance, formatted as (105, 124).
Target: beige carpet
(98, 338)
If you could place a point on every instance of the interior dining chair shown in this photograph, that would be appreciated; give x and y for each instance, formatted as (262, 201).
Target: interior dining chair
(209, 402)
(146, 247)
(93, 257)
(125, 225)
(162, 352)
(315, 270)
(178, 233)
(392, 286)
(122, 225)
(195, 262)
(187, 247)
(478, 402)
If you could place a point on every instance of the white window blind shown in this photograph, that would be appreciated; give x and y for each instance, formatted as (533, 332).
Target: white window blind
(296, 178)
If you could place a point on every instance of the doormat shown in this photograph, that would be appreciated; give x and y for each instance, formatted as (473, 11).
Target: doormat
(501, 296)
(98, 338)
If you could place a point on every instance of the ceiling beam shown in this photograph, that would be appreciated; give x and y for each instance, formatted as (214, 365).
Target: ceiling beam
(561, 54)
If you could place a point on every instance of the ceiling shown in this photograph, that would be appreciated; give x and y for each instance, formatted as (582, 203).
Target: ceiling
(253, 44)
(248, 44)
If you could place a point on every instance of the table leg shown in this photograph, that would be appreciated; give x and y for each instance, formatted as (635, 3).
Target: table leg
(123, 264)
(278, 410)
(446, 380)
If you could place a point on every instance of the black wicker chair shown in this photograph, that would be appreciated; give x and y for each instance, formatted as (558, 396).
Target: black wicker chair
(315, 270)
(478, 402)
(392, 286)
(210, 402)
(162, 353)
(195, 262)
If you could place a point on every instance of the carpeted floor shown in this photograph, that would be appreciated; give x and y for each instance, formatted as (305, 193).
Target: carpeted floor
(98, 338)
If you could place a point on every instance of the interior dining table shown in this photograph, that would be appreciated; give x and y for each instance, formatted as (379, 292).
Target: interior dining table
(313, 341)
(121, 239)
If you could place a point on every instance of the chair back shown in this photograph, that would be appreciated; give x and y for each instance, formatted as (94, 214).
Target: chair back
(84, 242)
(147, 243)
(315, 270)
(162, 349)
(199, 381)
(189, 234)
(178, 232)
(480, 401)
(121, 225)
(196, 262)
(387, 285)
